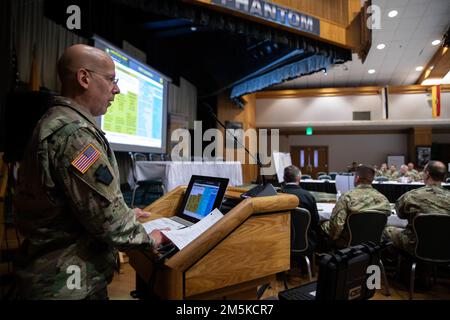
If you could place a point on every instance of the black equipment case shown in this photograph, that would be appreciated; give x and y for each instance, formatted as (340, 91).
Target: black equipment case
(342, 276)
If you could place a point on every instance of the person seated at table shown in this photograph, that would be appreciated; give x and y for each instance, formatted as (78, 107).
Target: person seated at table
(383, 172)
(353, 167)
(392, 173)
(432, 198)
(363, 198)
(404, 175)
(411, 169)
(292, 176)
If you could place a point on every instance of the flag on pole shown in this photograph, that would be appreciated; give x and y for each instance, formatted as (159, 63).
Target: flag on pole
(385, 102)
(34, 73)
(436, 101)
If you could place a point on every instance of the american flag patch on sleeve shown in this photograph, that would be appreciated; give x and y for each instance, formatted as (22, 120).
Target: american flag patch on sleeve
(86, 158)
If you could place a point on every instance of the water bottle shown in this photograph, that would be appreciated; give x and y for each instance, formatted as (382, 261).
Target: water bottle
(338, 195)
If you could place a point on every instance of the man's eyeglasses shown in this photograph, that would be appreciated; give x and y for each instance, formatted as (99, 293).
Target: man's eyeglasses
(110, 79)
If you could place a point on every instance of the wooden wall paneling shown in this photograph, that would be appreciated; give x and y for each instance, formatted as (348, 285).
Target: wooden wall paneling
(344, 91)
(333, 16)
(335, 11)
(319, 92)
(422, 136)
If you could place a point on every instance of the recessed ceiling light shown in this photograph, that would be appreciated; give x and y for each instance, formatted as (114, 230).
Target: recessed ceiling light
(371, 71)
(436, 42)
(392, 13)
(420, 68)
(381, 46)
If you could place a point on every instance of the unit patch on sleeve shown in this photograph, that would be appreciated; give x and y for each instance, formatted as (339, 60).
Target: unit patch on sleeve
(86, 158)
(103, 175)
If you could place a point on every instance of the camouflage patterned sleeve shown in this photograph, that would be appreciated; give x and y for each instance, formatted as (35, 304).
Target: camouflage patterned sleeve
(93, 191)
(400, 206)
(338, 218)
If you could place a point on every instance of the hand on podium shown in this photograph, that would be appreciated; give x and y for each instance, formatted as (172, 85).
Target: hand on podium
(141, 213)
(159, 238)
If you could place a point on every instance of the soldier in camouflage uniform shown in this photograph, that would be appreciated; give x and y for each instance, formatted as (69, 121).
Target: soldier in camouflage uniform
(432, 198)
(412, 170)
(360, 199)
(392, 172)
(383, 172)
(69, 205)
(404, 174)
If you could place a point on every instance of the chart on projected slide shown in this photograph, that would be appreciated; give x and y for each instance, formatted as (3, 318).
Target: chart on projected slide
(138, 108)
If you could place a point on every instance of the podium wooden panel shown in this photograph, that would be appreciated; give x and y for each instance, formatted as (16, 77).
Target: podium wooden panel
(245, 249)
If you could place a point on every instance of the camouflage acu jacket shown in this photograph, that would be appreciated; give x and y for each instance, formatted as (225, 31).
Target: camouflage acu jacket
(70, 208)
(362, 198)
(428, 199)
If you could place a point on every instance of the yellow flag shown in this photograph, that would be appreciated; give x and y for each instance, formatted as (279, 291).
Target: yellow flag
(436, 101)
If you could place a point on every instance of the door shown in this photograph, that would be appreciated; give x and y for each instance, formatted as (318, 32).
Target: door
(310, 159)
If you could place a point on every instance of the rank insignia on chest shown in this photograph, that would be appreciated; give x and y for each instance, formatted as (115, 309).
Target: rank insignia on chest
(86, 158)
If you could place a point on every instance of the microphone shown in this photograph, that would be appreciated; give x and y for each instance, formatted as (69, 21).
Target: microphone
(258, 162)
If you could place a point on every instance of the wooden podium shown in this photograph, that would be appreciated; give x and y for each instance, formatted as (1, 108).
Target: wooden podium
(245, 249)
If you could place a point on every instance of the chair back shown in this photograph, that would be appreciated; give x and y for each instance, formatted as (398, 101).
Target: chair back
(321, 173)
(432, 237)
(305, 177)
(333, 175)
(136, 156)
(324, 177)
(300, 223)
(366, 226)
(447, 180)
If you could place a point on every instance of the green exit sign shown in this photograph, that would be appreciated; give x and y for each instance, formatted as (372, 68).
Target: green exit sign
(309, 131)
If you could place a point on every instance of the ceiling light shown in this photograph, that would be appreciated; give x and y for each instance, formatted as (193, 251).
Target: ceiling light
(420, 68)
(371, 71)
(381, 46)
(436, 42)
(193, 29)
(392, 13)
(431, 82)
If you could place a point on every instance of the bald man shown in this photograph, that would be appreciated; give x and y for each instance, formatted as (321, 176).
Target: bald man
(69, 205)
(432, 198)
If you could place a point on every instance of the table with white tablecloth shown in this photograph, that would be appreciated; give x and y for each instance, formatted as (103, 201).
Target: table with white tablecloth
(325, 210)
(392, 190)
(174, 174)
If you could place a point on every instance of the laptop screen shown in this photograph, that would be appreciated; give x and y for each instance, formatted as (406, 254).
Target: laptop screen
(203, 195)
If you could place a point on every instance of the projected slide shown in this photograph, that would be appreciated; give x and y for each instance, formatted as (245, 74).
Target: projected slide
(135, 121)
(137, 110)
(201, 200)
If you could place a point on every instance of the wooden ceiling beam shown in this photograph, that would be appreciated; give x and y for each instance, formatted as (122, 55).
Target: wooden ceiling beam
(437, 67)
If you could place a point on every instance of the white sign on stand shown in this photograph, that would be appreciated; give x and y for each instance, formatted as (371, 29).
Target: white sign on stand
(395, 160)
(281, 161)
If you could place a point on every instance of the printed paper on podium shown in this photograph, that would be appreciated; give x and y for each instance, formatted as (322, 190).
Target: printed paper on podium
(182, 237)
(161, 223)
